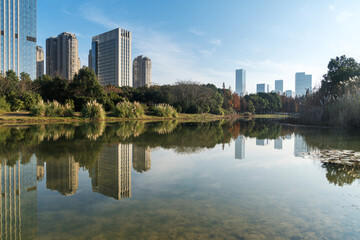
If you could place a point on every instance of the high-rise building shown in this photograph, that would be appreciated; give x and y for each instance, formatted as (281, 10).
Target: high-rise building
(62, 175)
(240, 82)
(111, 58)
(39, 62)
(262, 142)
(303, 83)
(18, 36)
(289, 93)
(18, 200)
(141, 158)
(62, 57)
(278, 143)
(279, 86)
(262, 88)
(141, 72)
(111, 174)
(240, 147)
(300, 146)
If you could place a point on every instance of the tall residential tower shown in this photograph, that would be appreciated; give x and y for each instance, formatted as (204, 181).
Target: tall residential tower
(111, 58)
(241, 82)
(18, 36)
(62, 57)
(141, 72)
(39, 62)
(303, 83)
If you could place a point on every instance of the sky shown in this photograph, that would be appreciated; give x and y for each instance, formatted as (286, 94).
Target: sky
(207, 40)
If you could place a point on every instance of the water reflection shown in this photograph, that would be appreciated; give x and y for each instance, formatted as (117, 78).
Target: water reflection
(57, 154)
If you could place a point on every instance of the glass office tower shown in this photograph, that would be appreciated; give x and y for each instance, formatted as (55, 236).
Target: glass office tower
(18, 36)
(241, 82)
(303, 84)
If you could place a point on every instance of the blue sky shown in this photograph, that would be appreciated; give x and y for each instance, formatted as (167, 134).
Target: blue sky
(206, 40)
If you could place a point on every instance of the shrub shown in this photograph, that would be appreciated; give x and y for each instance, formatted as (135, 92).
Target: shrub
(93, 110)
(4, 105)
(52, 109)
(163, 110)
(128, 110)
(30, 100)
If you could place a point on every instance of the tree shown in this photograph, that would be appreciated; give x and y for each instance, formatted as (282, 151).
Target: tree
(340, 69)
(251, 107)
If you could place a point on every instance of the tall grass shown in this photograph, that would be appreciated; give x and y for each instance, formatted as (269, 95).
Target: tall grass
(51, 109)
(93, 110)
(164, 110)
(128, 110)
(336, 111)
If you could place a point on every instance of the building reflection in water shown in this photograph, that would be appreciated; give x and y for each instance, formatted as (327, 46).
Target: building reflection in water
(18, 187)
(300, 146)
(141, 158)
(62, 175)
(240, 147)
(278, 143)
(262, 142)
(111, 174)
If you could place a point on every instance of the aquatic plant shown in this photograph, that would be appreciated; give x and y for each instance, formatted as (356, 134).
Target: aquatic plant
(128, 110)
(93, 110)
(163, 110)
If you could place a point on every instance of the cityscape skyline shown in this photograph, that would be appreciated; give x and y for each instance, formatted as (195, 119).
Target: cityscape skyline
(205, 55)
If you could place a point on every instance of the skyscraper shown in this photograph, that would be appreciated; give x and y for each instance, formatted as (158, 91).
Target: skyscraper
(141, 158)
(303, 83)
(240, 147)
(141, 72)
(240, 82)
(262, 87)
(289, 93)
(62, 57)
(262, 142)
(111, 58)
(111, 174)
(18, 36)
(279, 86)
(278, 143)
(39, 62)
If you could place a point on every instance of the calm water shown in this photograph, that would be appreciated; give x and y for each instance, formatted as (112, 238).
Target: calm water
(241, 180)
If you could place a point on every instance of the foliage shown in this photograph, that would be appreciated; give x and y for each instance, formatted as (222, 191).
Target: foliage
(52, 109)
(4, 105)
(128, 110)
(93, 110)
(163, 110)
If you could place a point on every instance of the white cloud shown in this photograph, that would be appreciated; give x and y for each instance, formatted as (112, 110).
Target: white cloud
(217, 42)
(196, 32)
(332, 7)
(344, 15)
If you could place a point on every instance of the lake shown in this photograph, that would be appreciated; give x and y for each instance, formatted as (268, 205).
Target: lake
(171, 180)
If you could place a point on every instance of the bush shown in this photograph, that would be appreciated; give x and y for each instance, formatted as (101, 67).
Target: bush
(163, 110)
(4, 105)
(94, 111)
(52, 109)
(128, 110)
(30, 100)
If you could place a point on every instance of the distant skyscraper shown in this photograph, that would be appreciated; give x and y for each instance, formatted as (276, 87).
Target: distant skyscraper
(240, 147)
(289, 93)
(278, 143)
(279, 86)
(18, 200)
(241, 82)
(18, 36)
(141, 158)
(111, 174)
(62, 57)
(300, 146)
(303, 83)
(39, 62)
(262, 142)
(262, 88)
(111, 58)
(141, 72)
(62, 175)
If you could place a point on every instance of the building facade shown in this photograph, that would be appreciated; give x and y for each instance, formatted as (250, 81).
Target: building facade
(111, 58)
(141, 158)
(141, 72)
(240, 82)
(289, 93)
(18, 36)
(39, 62)
(262, 88)
(62, 57)
(240, 147)
(279, 86)
(303, 84)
